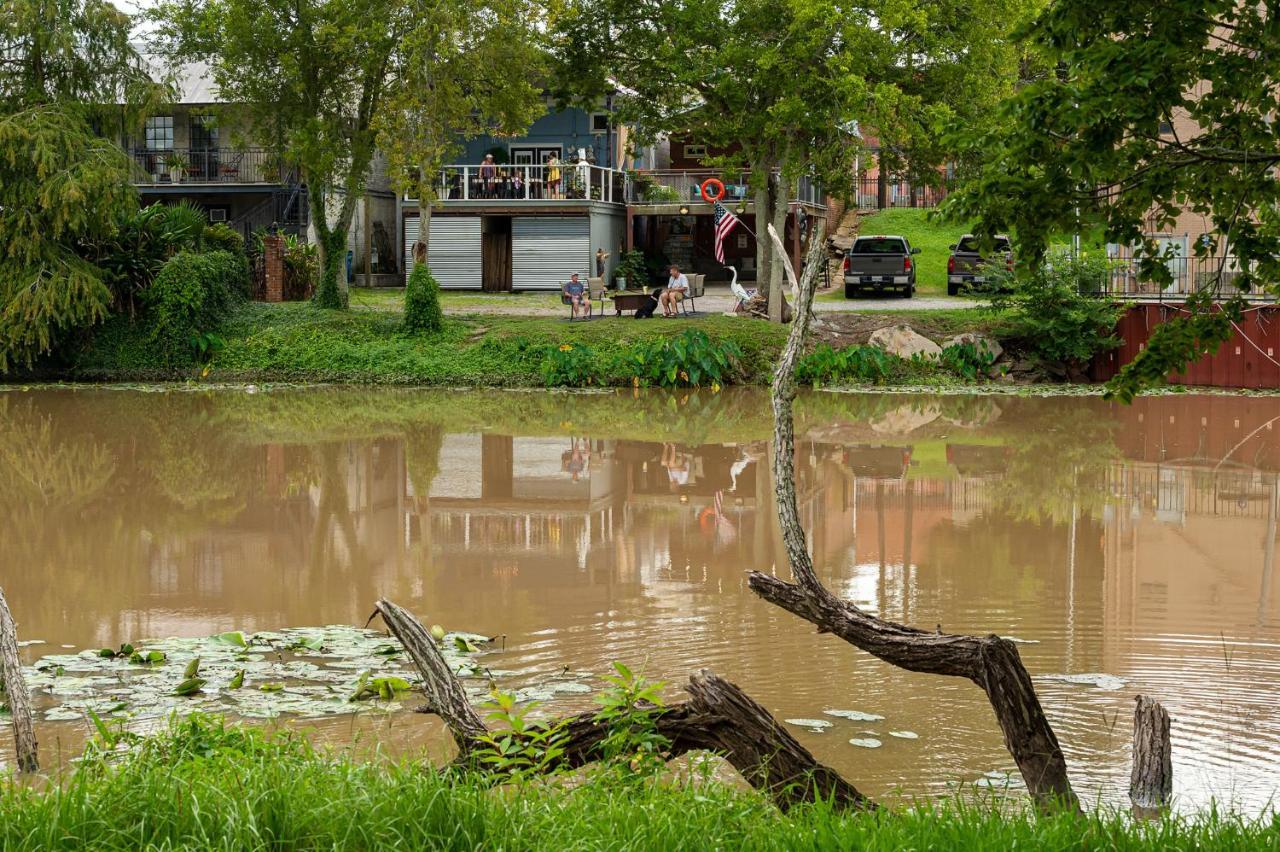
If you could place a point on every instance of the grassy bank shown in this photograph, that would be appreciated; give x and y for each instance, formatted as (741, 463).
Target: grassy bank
(295, 342)
(208, 787)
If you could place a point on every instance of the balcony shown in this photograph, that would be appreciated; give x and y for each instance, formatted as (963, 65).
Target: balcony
(678, 186)
(516, 184)
(210, 167)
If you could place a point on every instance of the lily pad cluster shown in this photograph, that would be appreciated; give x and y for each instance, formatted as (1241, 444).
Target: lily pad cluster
(868, 739)
(305, 672)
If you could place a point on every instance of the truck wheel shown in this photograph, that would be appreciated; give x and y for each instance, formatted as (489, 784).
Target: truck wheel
(850, 290)
(906, 294)
(953, 289)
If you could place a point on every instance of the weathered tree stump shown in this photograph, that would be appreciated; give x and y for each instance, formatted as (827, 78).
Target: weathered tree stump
(990, 662)
(718, 717)
(1151, 782)
(15, 689)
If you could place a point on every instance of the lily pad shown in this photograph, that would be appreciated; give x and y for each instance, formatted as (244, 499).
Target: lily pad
(905, 735)
(855, 715)
(865, 742)
(815, 725)
(234, 638)
(1105, 682)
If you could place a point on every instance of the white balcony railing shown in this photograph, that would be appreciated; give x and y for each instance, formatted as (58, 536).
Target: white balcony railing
(684, 185)
(567, 181)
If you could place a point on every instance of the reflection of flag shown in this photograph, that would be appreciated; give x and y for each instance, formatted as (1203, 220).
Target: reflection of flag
(725, 222)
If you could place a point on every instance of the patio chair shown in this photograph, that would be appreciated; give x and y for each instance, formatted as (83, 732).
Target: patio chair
(596, 289)
(565, 300)
(697, 285)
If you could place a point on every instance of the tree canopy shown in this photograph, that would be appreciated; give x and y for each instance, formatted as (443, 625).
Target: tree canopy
(68, 67)
(331, 82)
(787, 82)
(1157, 107)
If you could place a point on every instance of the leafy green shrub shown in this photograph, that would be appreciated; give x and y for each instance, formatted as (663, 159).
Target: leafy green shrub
(222, 237)
(968, 361)
(629, 711)
(422, 313)
(1050, 312)
(189, 298)
(522, 748)
(631, 266)
(184, 224)
(860, 364)
(690, 359)
(572, 365)
(301, 268)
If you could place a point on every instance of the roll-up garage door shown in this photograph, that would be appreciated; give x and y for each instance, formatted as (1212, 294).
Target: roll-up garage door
(545, 251)
(453, 250)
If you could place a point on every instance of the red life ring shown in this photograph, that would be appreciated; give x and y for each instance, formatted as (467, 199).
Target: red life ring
(709, 182)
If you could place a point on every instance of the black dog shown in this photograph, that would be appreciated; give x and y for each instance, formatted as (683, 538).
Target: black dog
(646, 311)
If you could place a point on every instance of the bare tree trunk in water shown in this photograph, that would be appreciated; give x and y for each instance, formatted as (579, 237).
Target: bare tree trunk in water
(15, 689)
(1151, 783)
(991, 662)
(718, 717)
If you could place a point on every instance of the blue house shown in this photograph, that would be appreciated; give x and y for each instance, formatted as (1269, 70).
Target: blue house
(553, 197)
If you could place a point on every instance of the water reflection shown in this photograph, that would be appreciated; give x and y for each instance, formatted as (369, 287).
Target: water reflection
(1137, 542)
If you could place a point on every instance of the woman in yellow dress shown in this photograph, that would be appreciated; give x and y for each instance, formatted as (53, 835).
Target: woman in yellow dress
(553, 176)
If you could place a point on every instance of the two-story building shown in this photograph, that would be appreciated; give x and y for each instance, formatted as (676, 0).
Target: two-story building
(199, 149)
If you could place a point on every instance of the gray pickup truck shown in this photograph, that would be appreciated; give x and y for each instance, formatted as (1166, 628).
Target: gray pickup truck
(967, 265)
(879, 263)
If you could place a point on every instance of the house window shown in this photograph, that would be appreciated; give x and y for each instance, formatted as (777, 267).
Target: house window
(1166, 128)
(599, 122)
(695, 152)
(160, 133)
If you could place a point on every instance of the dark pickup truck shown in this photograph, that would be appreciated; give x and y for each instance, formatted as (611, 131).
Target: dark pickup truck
(880, 263)
(967, 265)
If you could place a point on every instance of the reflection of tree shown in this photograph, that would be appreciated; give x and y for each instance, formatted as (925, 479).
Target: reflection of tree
(1058, 461)
(40, 467)
(422, 455)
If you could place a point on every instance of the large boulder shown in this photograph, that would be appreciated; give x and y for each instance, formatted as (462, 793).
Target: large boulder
(979, 342)
(903, 341)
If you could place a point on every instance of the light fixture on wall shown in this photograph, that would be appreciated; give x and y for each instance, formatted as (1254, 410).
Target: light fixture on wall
(684, 210)
(742, 208)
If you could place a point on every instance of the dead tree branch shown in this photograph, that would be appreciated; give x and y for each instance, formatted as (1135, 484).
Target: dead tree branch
(718, 717)
(1151, 782)
(15, 688)
(990, 662)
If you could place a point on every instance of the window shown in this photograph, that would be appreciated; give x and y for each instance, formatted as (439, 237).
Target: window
(695, 152)
(160, 133)
(599, 122)
(879, 245)
(1166, 128)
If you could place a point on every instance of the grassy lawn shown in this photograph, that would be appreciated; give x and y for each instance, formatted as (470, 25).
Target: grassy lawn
(205, 786)
(392, 299)
(933, 238)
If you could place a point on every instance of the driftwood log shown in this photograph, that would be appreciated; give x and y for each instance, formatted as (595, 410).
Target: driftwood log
(1151, 782)
(718, 717)
(991, 662)
(15, 689)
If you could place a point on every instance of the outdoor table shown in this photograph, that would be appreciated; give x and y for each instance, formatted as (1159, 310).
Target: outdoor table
(629, 301)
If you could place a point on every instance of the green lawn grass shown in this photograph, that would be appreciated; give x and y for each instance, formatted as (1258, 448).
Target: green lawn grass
(925, 232)
(205, 786)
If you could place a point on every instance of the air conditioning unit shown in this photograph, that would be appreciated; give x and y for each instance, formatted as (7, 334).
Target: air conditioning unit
(217, 214)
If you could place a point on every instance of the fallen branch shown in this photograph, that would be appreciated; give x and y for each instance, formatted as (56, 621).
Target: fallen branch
(15, 688)
(718, 717)
(990, 662)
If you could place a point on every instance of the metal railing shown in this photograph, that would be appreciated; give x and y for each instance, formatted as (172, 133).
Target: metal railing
(567, 181)
(660, 186)
(210, 165)
(899, 192)
(1189, 275)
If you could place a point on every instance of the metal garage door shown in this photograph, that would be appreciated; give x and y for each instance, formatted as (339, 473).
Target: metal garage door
(545, 251)
(453, 250)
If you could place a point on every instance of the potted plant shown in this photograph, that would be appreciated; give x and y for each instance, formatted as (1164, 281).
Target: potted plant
(631, 269)
(175, 163)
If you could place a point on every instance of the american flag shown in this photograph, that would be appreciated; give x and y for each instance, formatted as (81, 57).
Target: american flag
(725, 222)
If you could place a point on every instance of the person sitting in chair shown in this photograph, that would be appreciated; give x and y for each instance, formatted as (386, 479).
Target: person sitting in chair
(677, 286)
(576, 292)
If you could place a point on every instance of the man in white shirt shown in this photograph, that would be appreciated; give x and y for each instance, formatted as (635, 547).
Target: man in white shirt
(677, 284)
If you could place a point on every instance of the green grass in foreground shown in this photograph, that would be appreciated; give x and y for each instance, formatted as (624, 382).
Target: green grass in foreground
(205, 786)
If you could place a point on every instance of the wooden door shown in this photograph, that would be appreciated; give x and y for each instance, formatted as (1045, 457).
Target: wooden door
(496, 254)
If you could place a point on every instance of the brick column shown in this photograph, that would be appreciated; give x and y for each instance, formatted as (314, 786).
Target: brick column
(273, 257)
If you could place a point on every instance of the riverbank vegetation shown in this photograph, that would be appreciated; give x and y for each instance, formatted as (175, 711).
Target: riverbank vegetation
(206, 785)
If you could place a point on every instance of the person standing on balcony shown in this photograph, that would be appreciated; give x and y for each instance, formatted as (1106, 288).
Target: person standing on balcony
(553, 176)
(488, 176)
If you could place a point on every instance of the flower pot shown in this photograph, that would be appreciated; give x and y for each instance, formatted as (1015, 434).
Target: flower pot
(175, 175)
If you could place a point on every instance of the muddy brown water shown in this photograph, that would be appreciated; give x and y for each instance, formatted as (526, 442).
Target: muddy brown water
(1136, 543)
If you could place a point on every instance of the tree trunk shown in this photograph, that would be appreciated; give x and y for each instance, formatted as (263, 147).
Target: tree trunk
(764, 248)
(1151, 783)
(331, 247)
(779, 256)
(718, 717)
(990, 662)
(15, 689)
